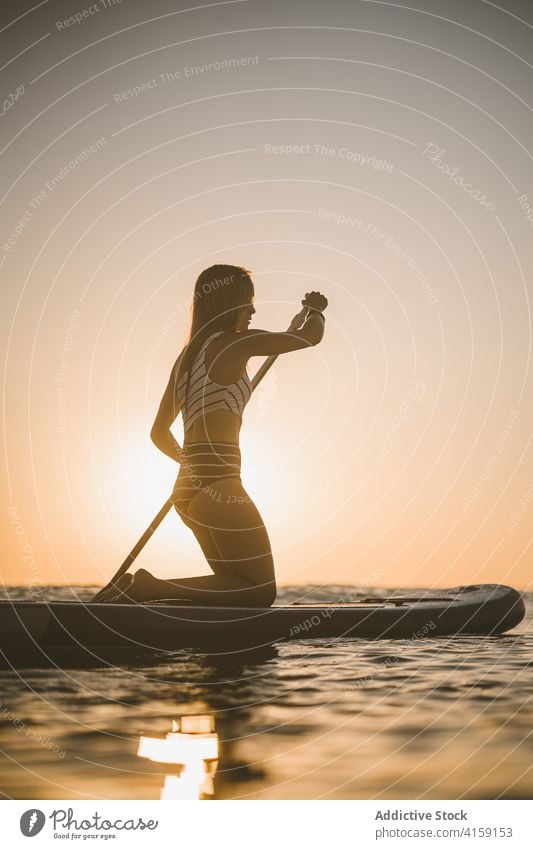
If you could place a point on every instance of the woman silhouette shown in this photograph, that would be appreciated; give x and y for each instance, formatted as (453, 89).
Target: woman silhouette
(210, 386)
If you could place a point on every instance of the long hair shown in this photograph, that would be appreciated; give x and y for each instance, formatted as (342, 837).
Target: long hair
(219, 291)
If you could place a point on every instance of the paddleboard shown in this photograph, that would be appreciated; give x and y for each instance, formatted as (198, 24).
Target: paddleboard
(486, 609)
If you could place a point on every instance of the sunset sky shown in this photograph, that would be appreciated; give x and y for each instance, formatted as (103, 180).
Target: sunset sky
(378, 154)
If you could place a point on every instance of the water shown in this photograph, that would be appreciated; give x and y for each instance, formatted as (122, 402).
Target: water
(433, 718)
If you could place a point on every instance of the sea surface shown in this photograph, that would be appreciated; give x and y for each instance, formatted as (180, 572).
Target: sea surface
(424, 718)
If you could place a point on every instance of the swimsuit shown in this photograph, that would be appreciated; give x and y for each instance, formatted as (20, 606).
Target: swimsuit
(205, 395)
(203, 463)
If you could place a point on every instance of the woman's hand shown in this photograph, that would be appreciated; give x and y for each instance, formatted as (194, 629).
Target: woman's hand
(315, 301)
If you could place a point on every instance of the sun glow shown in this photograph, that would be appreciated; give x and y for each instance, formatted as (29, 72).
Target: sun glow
(143, 477)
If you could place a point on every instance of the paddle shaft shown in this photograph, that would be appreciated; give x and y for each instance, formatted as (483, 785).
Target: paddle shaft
(156, 521)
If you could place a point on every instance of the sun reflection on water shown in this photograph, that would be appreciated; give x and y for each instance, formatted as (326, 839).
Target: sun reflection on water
(192, 747)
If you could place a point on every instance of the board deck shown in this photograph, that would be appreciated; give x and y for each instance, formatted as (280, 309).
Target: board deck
(485, 609)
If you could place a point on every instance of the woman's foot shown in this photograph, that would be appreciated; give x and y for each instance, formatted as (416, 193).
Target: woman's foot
(115, 589)
(143, 587)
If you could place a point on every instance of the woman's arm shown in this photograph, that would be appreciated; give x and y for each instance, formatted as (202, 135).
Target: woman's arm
(169, 408)
(264, 343)
(260, 343)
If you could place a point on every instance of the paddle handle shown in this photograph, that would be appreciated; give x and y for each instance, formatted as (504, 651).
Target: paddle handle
(156, 521)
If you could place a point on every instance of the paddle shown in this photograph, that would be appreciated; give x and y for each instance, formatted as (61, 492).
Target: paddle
(156, 521)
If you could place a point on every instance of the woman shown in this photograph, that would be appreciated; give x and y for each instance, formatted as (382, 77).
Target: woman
(210, 385)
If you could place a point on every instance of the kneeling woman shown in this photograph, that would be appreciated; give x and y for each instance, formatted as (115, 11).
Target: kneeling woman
(210, 385)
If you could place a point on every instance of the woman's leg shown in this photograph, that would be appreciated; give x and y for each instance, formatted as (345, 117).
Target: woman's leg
(233, 537)
(205, 541)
